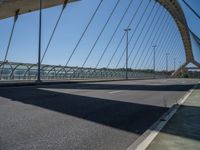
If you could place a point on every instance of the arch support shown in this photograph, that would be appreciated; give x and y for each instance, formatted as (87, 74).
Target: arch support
(174, 8)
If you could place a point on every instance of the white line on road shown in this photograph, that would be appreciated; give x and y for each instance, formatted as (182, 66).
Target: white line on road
(113, 92)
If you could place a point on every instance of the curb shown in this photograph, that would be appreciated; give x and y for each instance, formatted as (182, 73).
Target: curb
(34, 83)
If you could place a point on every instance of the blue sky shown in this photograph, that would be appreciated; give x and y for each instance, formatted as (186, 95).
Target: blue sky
(24, 45)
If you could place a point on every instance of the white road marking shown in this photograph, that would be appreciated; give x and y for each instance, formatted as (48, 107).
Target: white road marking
(113, 92)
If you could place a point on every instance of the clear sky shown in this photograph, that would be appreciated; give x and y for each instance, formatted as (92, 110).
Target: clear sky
(24, 45)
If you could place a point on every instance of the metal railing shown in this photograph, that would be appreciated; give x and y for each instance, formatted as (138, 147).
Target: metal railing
(28, 71)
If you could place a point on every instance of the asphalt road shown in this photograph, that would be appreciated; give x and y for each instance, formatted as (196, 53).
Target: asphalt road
(84, 116)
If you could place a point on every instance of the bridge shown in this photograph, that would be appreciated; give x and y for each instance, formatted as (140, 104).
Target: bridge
(10, 70)
(96, 74)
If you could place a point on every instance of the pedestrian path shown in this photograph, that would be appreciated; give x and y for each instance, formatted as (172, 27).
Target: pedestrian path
(182, 132)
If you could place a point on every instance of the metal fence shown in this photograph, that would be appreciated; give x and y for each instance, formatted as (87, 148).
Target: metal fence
(28, 71)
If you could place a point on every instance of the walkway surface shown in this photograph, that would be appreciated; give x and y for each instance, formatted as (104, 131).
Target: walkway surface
(182, 132)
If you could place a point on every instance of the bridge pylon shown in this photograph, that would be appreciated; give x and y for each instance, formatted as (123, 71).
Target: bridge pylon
(183, 68)
(178, 15)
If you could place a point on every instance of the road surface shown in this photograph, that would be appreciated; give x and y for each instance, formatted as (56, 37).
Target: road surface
(84, 116)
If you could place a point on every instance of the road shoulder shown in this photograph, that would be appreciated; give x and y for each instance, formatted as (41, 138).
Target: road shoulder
(183, 129)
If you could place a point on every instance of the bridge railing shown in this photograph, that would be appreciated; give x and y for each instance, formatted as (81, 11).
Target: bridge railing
(25, 71)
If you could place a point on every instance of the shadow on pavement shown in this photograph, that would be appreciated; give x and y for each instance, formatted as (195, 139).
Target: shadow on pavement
(130, 117)
(125, 116)
(125, 87)
(186, 123)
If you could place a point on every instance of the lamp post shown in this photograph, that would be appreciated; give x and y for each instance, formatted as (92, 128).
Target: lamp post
(167, 63)
(174, 64)
(127, 31)
(39, 43)
(167, 60)
(154, 60)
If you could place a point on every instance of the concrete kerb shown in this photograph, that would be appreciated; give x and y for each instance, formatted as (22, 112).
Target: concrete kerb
(149, 135)
(34, 83)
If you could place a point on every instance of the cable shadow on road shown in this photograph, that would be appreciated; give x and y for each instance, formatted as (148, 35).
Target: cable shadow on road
(130, 117)
(134, 87)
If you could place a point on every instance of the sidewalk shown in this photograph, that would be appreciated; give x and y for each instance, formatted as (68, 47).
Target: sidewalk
(14, 83)
(182, 132)
(49, 82)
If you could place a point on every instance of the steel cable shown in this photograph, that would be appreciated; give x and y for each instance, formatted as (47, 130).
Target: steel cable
(55, 27)
(145, 35)
(144, 25)
(165, 45)
(191, 9)
(134, 15)
(162, 42)
(85, 30)
(10, 39)
(100, 34)
(108, 44)
(150, 37)
(157, 38)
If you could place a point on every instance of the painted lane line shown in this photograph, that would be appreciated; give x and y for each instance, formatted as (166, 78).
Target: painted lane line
(114, 92)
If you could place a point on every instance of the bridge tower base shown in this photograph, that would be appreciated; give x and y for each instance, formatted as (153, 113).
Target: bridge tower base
(183, 68)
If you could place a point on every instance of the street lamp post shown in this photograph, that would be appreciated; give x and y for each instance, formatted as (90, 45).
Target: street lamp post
(167, 62)
(174, 64)
(39, 43)
(180, 66)
(127, 30)
(154, 60)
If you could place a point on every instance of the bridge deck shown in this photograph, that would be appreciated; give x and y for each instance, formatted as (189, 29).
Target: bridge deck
(9, 7)
(103, 115)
